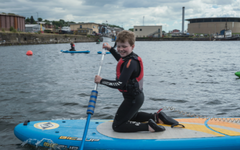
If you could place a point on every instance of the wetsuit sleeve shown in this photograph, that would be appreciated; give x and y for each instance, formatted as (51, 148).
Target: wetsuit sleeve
(128, 69)
(115, 54)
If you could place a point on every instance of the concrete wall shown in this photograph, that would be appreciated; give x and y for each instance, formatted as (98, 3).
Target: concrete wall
(213, 27)
(29, 38)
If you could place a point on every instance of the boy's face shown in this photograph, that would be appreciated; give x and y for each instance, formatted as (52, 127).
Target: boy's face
(125, 48)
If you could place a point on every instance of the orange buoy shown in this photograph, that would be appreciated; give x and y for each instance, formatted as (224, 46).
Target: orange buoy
(29, 52)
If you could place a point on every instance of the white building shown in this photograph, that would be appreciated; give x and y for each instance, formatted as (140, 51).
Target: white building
(148, 31)
(33, 28)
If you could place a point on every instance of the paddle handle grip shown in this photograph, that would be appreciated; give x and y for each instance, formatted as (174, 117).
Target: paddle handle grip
(92, 102)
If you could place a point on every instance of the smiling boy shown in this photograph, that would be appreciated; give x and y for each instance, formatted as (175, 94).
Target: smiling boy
(129, 82)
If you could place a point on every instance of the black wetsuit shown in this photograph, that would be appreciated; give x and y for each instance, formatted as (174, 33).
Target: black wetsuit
(72, 47)
(127, 118)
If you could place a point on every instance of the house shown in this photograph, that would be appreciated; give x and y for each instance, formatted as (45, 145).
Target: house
(82, 27)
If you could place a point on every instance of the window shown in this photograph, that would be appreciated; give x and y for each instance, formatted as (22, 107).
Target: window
(135, 29)
(80, 26)
(140, 29)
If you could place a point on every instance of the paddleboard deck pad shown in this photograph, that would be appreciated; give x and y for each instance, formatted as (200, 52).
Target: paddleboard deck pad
(198, 134)
(67, 51)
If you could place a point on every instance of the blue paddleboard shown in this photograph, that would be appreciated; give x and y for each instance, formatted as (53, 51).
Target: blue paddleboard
(67, 51)
(100, 52)
(200, 134)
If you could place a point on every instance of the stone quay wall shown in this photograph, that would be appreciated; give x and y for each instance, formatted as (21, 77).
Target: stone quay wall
(174, 39)
(33, 38)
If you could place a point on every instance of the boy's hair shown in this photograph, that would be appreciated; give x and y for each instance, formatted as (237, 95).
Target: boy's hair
(124, 36)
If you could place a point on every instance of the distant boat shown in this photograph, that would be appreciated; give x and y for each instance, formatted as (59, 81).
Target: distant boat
(225, 35)
(65, 30)
(67, 51)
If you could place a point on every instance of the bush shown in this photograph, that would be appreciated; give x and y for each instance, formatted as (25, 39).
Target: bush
(11, 28)
(3, 30)
(47, 31)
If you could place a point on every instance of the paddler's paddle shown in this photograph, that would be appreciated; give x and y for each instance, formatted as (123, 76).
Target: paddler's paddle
(92, 103)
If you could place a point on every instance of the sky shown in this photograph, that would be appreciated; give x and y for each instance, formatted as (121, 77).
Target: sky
(124, 13)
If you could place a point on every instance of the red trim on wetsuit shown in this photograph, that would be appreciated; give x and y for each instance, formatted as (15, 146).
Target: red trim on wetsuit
(118, 70)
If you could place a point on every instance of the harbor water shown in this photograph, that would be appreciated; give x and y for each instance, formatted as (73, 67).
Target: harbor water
(196, 77)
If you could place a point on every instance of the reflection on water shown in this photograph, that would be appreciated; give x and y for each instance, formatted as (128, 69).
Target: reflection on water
(195, 77)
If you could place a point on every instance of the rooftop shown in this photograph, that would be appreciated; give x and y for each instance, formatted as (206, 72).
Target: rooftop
(214, 19)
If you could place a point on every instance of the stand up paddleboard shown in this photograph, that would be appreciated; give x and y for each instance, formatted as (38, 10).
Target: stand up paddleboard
(200, 134)
(237, 73)
(67, 51)
(100, 52)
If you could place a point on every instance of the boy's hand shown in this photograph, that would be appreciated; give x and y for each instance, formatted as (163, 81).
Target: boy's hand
(106, 46)
(97, 79)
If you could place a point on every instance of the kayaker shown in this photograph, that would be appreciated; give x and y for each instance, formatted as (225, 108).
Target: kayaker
(72, 47)
(129, 81)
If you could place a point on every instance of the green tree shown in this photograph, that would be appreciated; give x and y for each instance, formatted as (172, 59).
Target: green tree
(40, 19)
(111, 25)
(131, 29)
(11, 14)
(47, 22)
(27, 20)
(32, 21)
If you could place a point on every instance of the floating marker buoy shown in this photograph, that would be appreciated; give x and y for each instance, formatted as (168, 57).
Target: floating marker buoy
(237, 73)
(29, 52)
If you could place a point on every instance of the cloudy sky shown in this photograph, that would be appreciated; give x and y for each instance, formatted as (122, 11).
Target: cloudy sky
(124, 13)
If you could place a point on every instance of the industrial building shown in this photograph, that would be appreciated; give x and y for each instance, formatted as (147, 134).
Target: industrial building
(213, 25)
(34, 28)
(148, 31)
(15, 21)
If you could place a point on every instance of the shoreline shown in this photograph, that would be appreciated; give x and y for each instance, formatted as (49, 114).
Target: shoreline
(9, 38)
(182, 39)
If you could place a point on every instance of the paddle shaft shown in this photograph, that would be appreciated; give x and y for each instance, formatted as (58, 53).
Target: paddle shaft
(100, 68)
(91, 104)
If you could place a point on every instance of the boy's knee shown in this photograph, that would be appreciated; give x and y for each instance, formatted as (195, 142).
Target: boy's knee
(115, 128)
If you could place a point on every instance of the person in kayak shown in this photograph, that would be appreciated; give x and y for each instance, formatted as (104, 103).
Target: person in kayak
(72, 47)
(129, 81)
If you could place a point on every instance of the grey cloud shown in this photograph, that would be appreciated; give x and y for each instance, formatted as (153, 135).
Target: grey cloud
(218, 2)
(133, 3)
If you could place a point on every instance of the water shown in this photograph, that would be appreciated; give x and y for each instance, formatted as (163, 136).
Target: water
(192, 76)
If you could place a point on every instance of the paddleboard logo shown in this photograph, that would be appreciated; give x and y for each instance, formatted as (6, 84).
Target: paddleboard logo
(46, 125)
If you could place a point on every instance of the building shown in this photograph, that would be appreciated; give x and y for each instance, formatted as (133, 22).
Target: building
(15, 21)
(175, 31)
(213, 25)
(34, 28)
(92, 27)
(83, 31)
(148, 31)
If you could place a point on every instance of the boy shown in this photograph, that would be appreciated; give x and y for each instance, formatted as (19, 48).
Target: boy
(129, 81)
(72, 47)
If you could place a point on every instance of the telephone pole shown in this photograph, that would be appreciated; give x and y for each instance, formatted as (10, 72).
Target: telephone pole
(143, 20)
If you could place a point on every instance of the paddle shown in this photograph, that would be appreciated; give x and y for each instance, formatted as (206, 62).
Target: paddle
(91, 104)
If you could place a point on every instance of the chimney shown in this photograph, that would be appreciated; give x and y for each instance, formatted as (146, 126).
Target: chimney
(183, 19)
